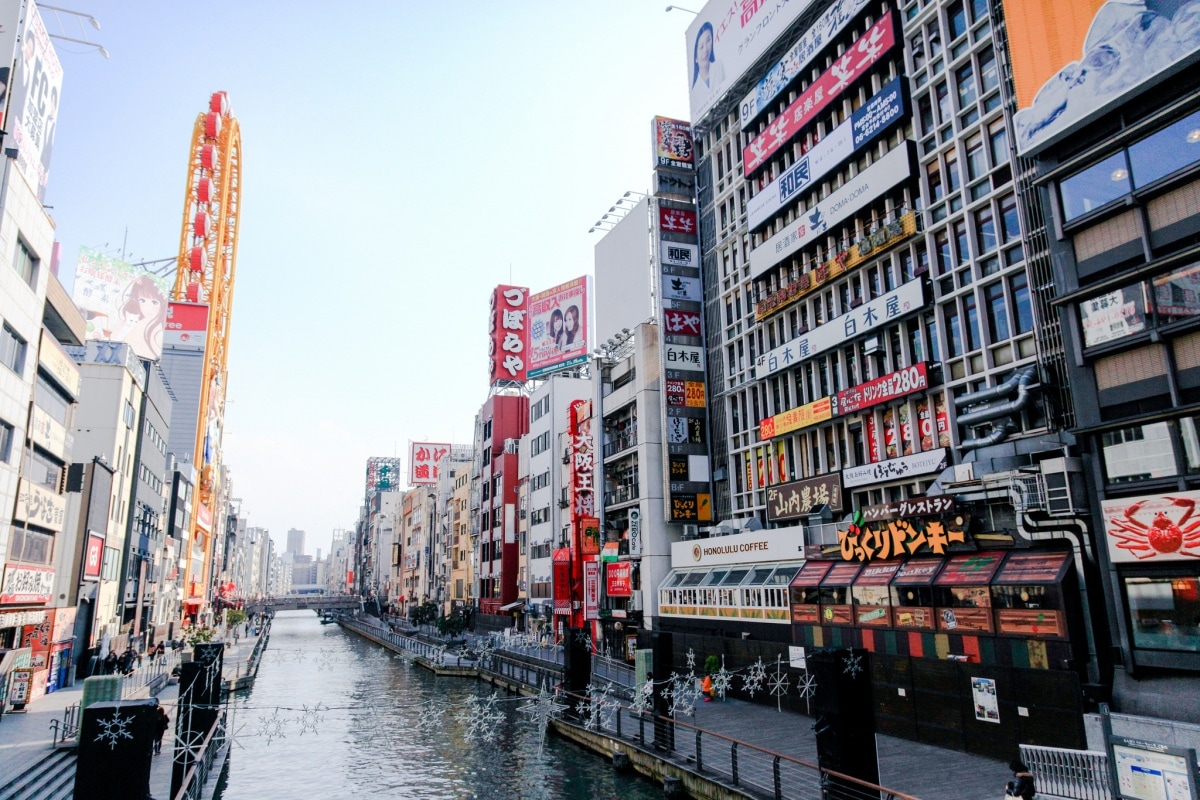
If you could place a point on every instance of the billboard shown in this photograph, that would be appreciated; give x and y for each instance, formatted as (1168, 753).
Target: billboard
(873, 118)
(832, 22)
(866, 51)
(423, 458)
(1073, 61)
(186, 325)
(383, 474)
(121, 302)
(558, 328)
(10, 19)
(792, 501)
(509, 334)
(849, 199)
(1152, 527)
(726, 38)
(33, 111)
(673, 145)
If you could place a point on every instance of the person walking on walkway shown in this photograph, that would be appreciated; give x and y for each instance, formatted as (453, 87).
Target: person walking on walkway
(1022, 783)
(110, 663)
(161, 723)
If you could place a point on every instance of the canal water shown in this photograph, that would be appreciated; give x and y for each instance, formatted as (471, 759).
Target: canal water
(332, 715)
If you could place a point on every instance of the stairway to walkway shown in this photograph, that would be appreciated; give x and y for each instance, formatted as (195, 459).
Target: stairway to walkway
(51, 778)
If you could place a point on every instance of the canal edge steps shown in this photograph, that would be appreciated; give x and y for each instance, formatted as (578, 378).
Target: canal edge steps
(52, 777)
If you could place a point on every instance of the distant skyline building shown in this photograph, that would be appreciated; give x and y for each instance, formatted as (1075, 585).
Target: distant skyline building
(295, 541)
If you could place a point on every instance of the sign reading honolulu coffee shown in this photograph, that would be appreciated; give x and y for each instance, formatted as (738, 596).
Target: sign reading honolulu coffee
(790, 501)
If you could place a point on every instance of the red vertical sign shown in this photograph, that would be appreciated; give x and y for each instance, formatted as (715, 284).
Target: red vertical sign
(509, 334)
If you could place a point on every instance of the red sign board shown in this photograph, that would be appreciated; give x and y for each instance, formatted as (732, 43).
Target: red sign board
(676, 221)
(887, 387)
(853, 64)
(509, 334)
(681, 323)
(619, 579)
(93, 559)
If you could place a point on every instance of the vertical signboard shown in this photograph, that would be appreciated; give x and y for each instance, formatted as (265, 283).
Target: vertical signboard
(423, 458)
(686, 479)
(509, 334)
(33, 113)
(558, 328)
(673, 146)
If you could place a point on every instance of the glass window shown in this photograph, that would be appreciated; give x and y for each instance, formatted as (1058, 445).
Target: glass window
(956, 20)
(976, 160)
(918, 52)
(936, 193)
(12, 350)
(964, 77)
(1138, 453)
(945, 113)
(1095, 186)
(941, 242)
(998, 142)
(1112, 316)
(961, 242)
(953, 179)
(1010, 219)
(954, 341)
(1166, 151)
(1177, 294)
(926, 111)
(933, 35)
(985, 229)
(25, 263)
(1021, 302)
(979, 10)
(6, 438)
(972, 315)
(997, 312)
(987, 71)
(1165, 612)
(49, 400)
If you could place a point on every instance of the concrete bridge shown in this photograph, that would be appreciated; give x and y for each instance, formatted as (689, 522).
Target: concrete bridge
(292, 602)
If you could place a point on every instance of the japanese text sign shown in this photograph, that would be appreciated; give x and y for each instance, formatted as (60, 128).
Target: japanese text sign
(509, 334)
(558, 328)
(882, 389)
(674, 220)
(673, 146)
(791, 501)
(901, 537)
(423, 461)
(27, 585)
(618, 576)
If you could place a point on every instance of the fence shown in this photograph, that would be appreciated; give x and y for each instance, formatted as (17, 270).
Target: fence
(433, 653)
(67, 728)
(1074, 774)
(201, 761)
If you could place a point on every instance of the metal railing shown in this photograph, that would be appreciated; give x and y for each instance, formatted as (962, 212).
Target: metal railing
(723, 758)
(151, 676)
(200, 761)
(438, 654)
(67, 728)
(1075, 774)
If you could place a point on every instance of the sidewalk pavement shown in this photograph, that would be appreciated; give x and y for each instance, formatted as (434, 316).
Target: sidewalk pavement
(920, 770)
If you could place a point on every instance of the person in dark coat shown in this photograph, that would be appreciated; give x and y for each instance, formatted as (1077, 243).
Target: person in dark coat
(1022, 783)
(161, 723)
(110, 663)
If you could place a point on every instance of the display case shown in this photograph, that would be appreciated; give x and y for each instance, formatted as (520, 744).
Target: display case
(871, 594)
(836, 606)
(805, 592)
(963, 594)
(1027, 595)
(912, 594)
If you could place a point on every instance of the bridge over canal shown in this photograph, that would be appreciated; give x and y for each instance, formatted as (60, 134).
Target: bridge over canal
(293, 602)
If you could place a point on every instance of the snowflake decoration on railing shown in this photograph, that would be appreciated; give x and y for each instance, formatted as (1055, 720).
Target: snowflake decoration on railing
(852, 665)
(271, 727)
(298, 655)
(684, 695)
(779, 683)
(598, 707)
(540, 710)
(752, 681)
(583, 638)
(310, 718)
(187, 746)
(430, 717)
(691, 661)
(643, 702)
(807, 686)
(439, 656)
(481, 717)
(721, 680)
(114, 729)
(486, 652)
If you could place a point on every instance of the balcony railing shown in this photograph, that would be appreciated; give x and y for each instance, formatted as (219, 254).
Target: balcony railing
(622, 494)
(616, 444)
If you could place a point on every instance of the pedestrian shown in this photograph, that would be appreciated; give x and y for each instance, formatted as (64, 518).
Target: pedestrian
(161, 723)
(160, 651)
(110, 663)
(1022, 783)
(706, 688)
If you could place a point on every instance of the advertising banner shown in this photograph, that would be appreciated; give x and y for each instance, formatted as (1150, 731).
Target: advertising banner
(186, 326)
(1073, 61)
(47, 432)
(562, 580)
(674, 220)
(39, 505)
(895, 469)
(903, 509)
(558, 328)
(509, 334)
(685, 323)
(787, 69)
(423, 460)
(619, 579)
(681, 288)
(791, 501)
(796, 418)
(635, 532)
(875, 116)
(121, 302)
(1152, 528)
(27, 585)
(678, 254)
(383, 474)
(866, 51)
(895, 304)
(983, 695)
(887, 387)
(854, 195)
(55, 360)
(1114, 315)
(726, 38)
(591, 590)
(673, 146)
(93, 557)
(33, 111)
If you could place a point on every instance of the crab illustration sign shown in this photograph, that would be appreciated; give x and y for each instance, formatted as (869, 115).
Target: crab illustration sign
(1160, 527)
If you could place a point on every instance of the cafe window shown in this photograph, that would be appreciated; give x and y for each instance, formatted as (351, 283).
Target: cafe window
(805, 588)
(872, 596)
(1164, 612)
(1027, 594)
(835, 594)
(912, 593)
(961, 593)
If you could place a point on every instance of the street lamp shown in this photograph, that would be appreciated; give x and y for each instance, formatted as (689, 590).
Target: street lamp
(79, 17)
(680, 8)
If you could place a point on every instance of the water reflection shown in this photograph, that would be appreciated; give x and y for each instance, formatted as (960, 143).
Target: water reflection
(334, 716)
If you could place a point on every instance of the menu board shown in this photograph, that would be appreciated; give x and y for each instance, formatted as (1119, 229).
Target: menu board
(878, 574)
(842, 575)
(969, 569)
(917, 617)
(918, 572)
(1026, 568)
(965, 620)
(812, 573)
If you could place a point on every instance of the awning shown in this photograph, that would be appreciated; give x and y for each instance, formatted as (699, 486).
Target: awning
(513, 606)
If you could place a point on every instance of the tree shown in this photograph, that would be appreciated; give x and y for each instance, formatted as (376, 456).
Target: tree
(234, 617)
(424, 614)
(452, 625)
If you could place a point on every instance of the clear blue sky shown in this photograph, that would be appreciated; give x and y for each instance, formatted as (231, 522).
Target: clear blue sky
(400, 159)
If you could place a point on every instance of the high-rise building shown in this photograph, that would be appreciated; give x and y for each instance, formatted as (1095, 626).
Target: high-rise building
(504, 418)
(295, 541)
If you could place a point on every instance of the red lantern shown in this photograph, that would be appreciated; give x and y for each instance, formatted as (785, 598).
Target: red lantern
(212, 124)
(209, 156)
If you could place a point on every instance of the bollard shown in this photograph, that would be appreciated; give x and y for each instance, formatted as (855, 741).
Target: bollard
(621, 762)
(673, 788)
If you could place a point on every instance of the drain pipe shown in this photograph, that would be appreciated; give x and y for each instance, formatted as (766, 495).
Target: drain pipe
(999, 434)
(1000, 390)
(1024, 387)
